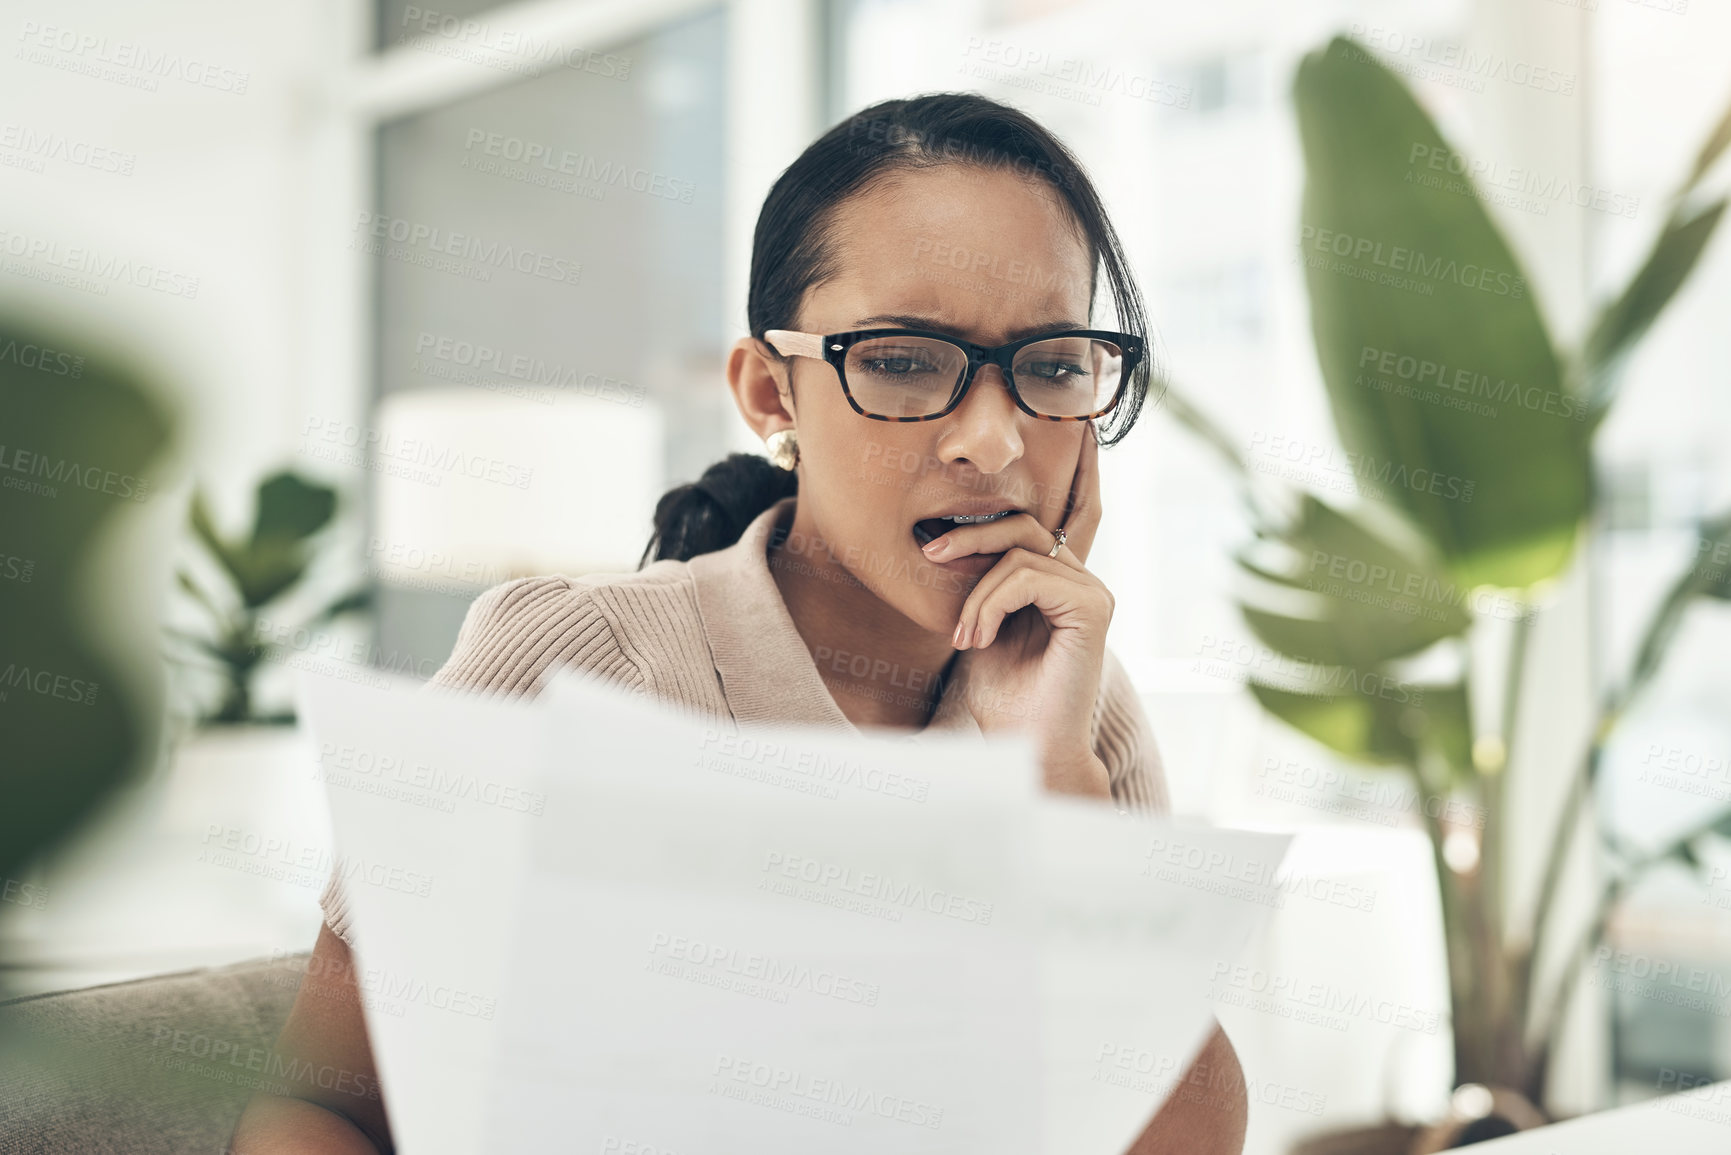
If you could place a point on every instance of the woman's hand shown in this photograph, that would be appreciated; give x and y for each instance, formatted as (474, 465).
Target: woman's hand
(1034, 628)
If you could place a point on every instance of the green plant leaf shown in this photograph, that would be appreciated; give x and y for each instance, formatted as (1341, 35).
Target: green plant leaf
(1685, 852)
(1710, 572)
(1380, 730)
(1347, 723)
(1340, 636)
(1371, 599)
(1625, 321)
(1711, 148)
(1446, 390)
(351, 602)
(187, 583)
(1191, 416)
(204, 647)
(266, 569)
(1710, 575)
(80, 708)
(291, 509)
(204, 529)
(1339, 721)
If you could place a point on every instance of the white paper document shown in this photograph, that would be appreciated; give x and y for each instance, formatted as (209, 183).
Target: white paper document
(1695, 1121)
(589, 920)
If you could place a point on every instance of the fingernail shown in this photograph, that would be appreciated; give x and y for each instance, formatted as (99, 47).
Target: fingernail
(956, 639)
(936, 546)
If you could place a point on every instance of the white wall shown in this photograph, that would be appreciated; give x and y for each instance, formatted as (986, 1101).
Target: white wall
(231, 182)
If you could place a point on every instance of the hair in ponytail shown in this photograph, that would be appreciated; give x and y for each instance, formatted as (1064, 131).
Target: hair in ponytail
(791, 252)
(710, 513)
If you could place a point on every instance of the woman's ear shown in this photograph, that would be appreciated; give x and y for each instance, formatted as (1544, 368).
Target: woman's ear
(757, 377)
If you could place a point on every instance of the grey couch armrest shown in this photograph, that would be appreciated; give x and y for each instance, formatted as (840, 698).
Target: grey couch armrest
(163, 1064)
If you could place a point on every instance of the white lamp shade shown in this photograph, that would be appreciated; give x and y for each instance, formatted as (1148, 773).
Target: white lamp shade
(475, 488)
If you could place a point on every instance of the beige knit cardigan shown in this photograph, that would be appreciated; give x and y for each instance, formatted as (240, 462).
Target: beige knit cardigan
(713, 637)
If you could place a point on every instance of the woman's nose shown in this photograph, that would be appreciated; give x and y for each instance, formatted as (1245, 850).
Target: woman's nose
(983, 429)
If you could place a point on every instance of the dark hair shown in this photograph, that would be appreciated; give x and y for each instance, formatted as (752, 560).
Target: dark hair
(791, 251)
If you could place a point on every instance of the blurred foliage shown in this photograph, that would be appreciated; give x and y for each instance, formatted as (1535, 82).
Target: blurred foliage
(80, 434)
(1360, 128)
(1477, 509)
(258, 572)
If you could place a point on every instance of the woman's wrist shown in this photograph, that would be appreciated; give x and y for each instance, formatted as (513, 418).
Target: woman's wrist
(1086, 776)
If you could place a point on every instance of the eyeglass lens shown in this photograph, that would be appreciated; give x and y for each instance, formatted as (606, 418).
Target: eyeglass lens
(917, 376)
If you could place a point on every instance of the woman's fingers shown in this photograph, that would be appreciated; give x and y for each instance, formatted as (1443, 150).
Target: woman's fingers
(1017, 531)
(1082, 517)
(1062, 594)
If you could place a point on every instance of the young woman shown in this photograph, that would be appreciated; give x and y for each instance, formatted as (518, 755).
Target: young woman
(924, 366)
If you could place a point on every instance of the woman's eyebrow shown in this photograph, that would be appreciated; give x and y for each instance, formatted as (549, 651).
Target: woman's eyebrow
(910, 321)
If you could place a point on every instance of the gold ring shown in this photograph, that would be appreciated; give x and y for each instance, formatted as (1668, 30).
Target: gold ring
(1060, 538)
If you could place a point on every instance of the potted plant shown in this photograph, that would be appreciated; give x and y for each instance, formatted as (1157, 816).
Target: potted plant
(239, 765)
(1418, 305)
(259, 574)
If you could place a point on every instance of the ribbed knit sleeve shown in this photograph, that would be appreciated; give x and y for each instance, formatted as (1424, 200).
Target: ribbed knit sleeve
(512, 635)
(1124, 741)
(516, 632)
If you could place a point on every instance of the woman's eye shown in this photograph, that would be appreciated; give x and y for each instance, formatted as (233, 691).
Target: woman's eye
(897, 366)
(1055, 372)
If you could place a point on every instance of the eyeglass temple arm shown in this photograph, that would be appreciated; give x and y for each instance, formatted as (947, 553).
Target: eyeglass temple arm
(790, 343)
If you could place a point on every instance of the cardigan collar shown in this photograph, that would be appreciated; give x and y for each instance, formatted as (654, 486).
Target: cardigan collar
(767, 674)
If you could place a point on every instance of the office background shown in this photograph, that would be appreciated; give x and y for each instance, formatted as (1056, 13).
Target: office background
(326, 197)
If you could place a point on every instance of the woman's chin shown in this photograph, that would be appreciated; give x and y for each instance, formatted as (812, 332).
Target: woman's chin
(934, 610)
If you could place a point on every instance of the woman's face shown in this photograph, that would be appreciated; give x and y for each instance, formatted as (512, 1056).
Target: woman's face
(984, 255)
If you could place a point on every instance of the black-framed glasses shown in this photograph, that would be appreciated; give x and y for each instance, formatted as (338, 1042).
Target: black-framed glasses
(918, 375)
